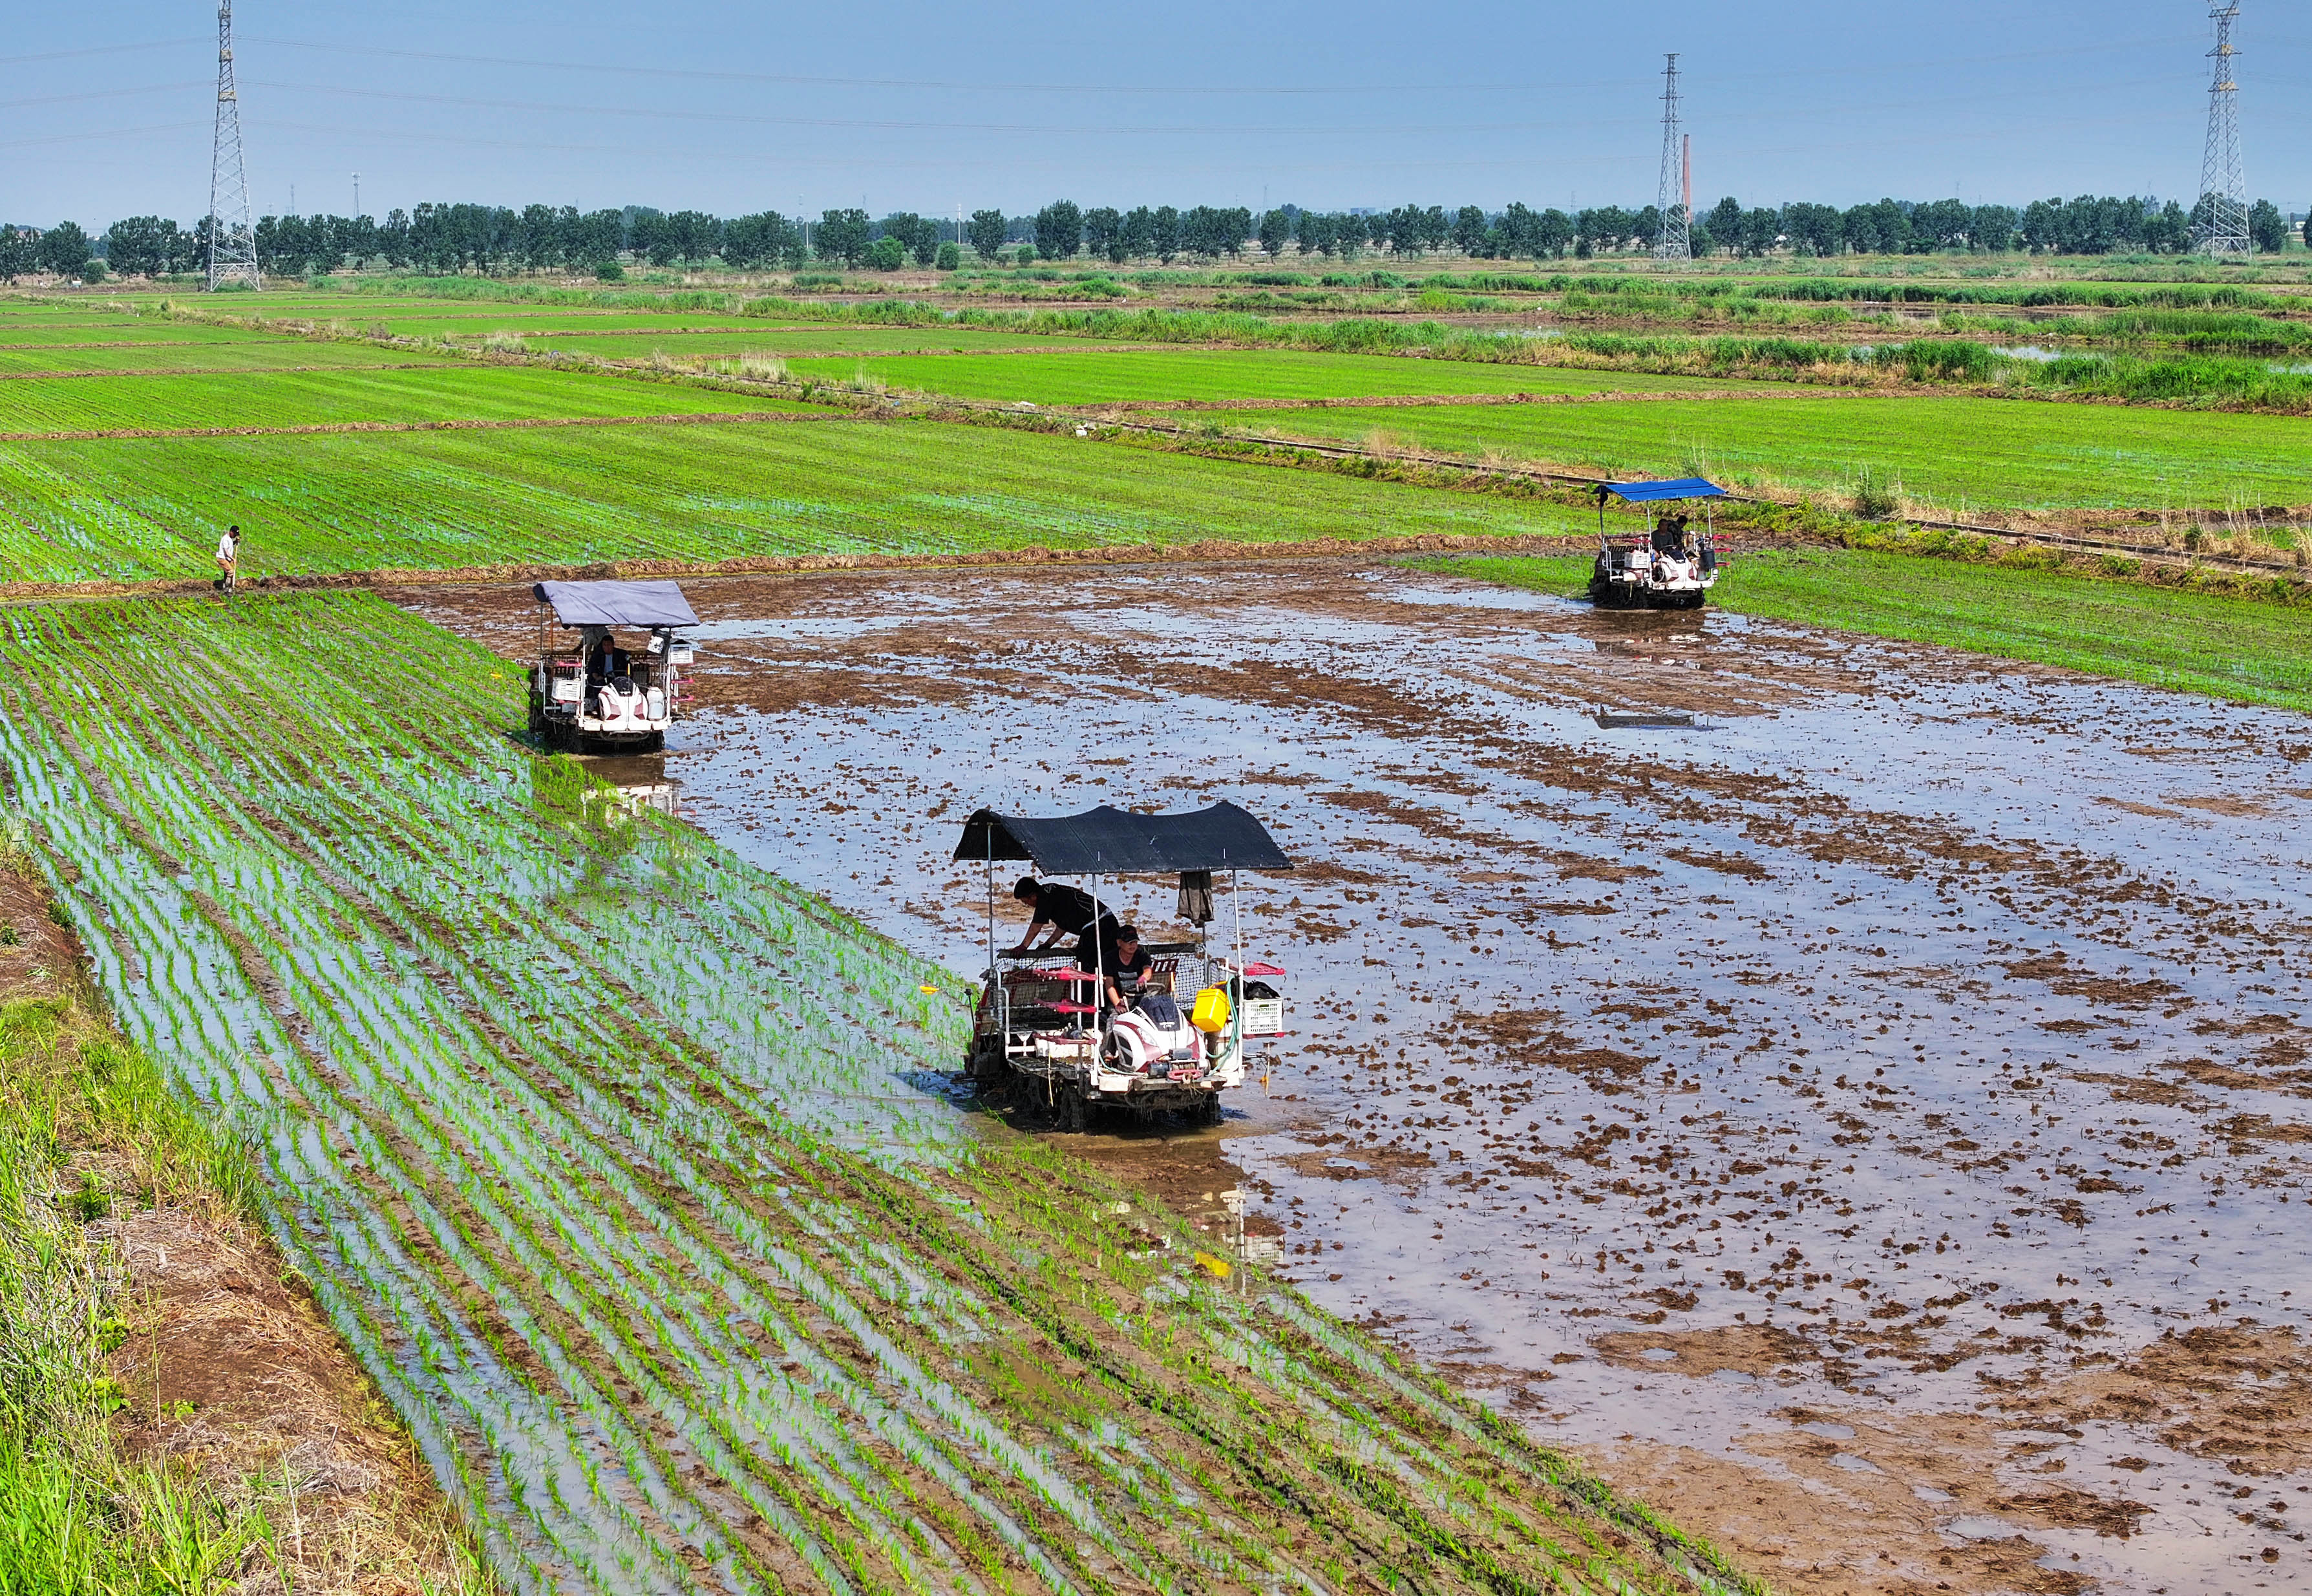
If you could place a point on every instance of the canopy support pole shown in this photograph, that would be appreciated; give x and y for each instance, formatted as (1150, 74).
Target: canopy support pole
(1002, 990)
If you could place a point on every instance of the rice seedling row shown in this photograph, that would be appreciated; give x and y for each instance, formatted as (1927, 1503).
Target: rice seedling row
(130, 509)
(1958, 452)
(18, 335)
(140, 358)
(295, 398)
(617, 1164)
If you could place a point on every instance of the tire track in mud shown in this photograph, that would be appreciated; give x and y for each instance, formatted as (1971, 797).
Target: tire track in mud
(1775, 812)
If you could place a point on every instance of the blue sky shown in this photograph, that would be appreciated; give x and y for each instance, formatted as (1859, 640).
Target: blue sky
(903, 105)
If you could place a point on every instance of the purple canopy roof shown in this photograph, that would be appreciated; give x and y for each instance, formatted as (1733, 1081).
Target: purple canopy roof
(616, 603)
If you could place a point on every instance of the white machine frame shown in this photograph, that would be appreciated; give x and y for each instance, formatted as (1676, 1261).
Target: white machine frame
(1631, 573)
(630, 714)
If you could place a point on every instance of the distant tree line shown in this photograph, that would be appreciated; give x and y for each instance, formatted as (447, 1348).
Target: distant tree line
(499, 239)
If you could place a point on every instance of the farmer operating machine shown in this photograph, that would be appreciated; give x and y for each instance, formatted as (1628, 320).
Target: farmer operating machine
(1671, 566)
(593, 695)
(1047, 1018)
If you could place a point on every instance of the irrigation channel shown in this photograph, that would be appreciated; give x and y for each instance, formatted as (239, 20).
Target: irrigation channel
(1869, 1123)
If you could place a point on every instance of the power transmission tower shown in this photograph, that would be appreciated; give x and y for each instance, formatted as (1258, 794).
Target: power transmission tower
(233, 237)
(2219, 221)
(1675, 199)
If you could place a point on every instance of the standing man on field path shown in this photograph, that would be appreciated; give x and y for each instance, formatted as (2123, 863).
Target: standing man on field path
(228, 558)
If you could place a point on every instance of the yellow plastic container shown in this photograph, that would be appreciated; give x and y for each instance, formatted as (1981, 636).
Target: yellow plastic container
(1211, 1014)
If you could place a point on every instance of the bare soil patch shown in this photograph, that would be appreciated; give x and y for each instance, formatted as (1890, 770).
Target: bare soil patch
(231, 1372)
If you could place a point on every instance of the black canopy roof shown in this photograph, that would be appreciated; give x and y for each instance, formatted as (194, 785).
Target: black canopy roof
(1109, 841)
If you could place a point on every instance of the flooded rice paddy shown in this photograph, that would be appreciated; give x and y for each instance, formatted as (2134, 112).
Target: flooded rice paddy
(1869, 1124)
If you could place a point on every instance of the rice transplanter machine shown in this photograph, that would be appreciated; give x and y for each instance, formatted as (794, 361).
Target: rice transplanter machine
(1043, 1019)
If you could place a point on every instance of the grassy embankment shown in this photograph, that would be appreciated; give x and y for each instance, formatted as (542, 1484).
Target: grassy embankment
(624, 1169)
(93, 1138)
(85, 1124)
(2227, 648)
(1067, 376)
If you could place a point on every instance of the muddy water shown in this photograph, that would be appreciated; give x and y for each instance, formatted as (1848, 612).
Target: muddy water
(1869, 1123)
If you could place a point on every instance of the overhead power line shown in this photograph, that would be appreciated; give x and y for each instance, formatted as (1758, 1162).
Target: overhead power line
(1810, 112)
(983, 86)
(99, 49)
(177, 87)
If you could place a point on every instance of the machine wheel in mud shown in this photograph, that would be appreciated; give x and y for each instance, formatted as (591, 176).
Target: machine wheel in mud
(1072, 1109)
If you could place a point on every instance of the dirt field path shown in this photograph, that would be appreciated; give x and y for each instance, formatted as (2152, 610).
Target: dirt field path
(1871, 1124)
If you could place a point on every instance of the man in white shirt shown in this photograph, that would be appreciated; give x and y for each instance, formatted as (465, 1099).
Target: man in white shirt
(228, 558)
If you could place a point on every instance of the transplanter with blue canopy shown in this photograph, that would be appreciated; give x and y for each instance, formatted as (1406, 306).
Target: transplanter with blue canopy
(1671, 566)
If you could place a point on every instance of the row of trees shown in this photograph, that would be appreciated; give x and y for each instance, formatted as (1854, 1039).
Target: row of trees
(499, 239)
(65, 249)
(2090, 225)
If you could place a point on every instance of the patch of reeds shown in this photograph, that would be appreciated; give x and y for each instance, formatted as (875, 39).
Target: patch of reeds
(756, 368)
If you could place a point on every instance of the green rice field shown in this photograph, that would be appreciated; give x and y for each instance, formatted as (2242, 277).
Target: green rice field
(258, 355)
(305, 398)
(1955, 453)
(17, 333)
(2227, 648)
(120, 509)
(626, 1173)
(1070, 375)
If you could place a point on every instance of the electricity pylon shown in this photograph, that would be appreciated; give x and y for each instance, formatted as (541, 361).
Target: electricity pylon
(1675, 195)
(232, 236)
(2220, 219)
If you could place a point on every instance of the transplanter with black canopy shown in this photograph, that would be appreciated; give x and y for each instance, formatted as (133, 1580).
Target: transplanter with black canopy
(1049, 1022)
(1673, 565)
(593, 694)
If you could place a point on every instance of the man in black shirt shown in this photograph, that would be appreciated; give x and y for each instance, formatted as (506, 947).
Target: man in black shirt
(605, 661)
(1066, 911)
(1126, 968)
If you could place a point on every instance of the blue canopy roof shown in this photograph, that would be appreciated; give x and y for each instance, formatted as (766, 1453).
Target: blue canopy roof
(1647, 493)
